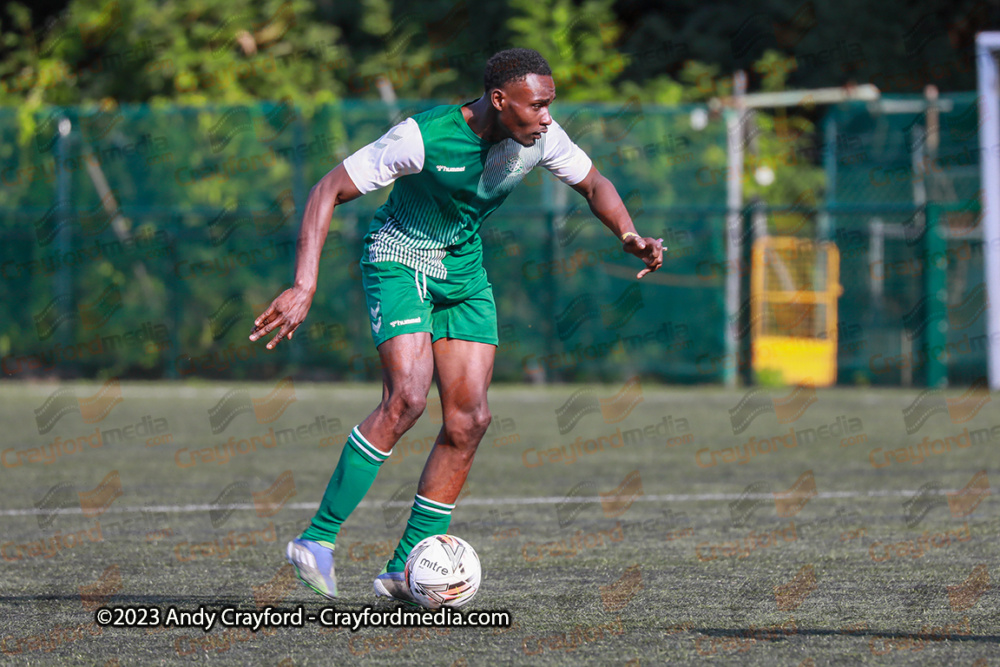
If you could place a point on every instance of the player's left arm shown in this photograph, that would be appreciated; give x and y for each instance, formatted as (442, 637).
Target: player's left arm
(572, 166)
(607, 205)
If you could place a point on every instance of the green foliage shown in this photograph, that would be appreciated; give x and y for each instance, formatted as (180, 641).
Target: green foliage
(899, 46)
(404, 61)
(578, 42)
(702, 82)
(186, 51)
(785, 145)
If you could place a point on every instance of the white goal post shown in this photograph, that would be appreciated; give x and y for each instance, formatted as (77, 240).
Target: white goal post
(987, 49)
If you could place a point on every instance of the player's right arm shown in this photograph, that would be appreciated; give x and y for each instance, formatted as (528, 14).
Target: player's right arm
(290, 308)
(399, 152)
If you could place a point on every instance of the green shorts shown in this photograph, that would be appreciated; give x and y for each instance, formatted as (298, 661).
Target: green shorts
(401, 300)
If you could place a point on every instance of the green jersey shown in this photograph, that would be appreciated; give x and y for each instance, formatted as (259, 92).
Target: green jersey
(447, 182)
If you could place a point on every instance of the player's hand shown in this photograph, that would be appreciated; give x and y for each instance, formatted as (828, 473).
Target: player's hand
(649, 250)
(288, 311)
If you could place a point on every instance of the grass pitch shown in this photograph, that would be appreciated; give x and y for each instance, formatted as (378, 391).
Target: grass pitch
(621, 525)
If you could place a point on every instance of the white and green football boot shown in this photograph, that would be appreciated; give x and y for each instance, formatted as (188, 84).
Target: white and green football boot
(313, 562)
(392, 585)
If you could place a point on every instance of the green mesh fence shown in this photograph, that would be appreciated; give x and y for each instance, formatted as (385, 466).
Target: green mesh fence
(143, 241)
(162, 277)
(903, 204)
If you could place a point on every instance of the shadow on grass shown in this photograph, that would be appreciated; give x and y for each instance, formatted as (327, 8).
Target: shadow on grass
(188, 602)
(772, 635)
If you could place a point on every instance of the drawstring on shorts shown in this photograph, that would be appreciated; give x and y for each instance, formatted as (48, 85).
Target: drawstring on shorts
(422, 293)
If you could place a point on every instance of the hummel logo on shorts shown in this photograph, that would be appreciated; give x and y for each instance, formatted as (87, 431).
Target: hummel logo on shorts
(412, 320)
(441, 168)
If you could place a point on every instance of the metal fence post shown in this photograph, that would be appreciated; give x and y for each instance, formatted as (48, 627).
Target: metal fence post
(734, 229)
(64, 236)
(935, 290)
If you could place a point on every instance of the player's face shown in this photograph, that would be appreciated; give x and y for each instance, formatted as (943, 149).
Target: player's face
(524, 111)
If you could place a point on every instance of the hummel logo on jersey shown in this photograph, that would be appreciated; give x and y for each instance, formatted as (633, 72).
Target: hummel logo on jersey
(412, 320)
(441, 168)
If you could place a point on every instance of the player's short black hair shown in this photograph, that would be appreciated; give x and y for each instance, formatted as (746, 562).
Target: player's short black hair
(512, 65)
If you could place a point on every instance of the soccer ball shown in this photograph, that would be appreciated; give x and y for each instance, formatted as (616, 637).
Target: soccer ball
(443, 571)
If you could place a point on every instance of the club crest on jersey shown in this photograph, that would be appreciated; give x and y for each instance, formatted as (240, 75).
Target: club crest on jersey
(506, 164)
(514, 165)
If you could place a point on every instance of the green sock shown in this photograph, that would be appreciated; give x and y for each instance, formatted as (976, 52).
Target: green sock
(355, 472)
(428, 517)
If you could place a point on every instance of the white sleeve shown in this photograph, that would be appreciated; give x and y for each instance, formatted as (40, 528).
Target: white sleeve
(563, 158)
(399, 152)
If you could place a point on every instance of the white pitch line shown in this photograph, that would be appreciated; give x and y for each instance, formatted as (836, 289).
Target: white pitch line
(544, 500)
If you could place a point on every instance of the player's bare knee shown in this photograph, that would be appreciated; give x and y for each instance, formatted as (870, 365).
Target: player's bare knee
(466, 429)
(405, 407)
(481, 419)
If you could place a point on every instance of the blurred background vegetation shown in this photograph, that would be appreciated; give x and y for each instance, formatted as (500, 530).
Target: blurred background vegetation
(600, 49)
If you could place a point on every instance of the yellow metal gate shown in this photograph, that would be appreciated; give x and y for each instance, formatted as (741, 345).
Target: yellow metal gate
(795, 284)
